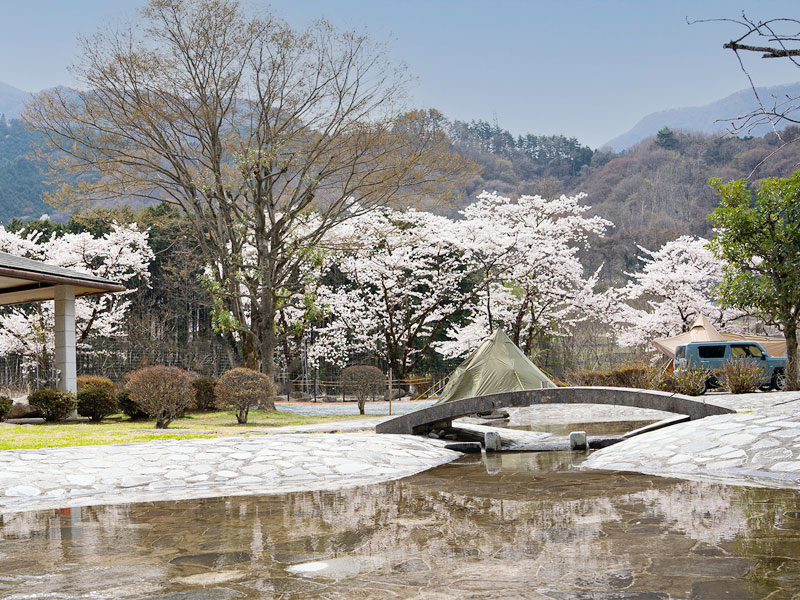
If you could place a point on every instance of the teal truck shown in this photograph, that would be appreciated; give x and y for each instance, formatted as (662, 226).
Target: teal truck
(713, 355)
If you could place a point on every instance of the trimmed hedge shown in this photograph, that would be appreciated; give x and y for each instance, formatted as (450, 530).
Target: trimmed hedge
(242, 388)
(163, 393)
(97, 401)
(129, 407)
(85, 381)
(5, 406)
(204, 398)
(52, 404)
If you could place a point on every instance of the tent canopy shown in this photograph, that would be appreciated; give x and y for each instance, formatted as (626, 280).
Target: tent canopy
(496, 366)
(704, 331)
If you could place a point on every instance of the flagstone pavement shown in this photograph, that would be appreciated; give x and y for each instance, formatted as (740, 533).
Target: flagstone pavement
(759, 445)
(201, 468)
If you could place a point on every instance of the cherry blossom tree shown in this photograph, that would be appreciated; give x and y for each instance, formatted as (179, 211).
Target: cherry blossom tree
(532, 283)
(674, 286)
(404, 276)
(121, 255)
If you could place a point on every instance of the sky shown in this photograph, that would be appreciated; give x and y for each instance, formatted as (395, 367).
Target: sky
(588, 69)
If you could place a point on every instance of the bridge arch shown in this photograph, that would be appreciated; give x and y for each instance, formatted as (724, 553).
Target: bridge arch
(420, 421)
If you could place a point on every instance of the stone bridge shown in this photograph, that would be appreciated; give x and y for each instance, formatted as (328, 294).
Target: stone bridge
(442, 415)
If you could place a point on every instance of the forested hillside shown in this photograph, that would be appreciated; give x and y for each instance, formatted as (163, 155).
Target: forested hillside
(22, 184)
(653, 192)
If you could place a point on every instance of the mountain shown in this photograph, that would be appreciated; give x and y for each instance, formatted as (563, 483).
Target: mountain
(711, 118)
(12, 100)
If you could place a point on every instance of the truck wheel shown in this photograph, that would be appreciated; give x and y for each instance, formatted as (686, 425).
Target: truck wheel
(779, 381)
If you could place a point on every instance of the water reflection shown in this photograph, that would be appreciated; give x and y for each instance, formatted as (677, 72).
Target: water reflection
(504, 525)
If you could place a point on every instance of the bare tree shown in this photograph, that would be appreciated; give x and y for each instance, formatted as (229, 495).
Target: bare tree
(247, 125)
(773, 38)
(363, 381)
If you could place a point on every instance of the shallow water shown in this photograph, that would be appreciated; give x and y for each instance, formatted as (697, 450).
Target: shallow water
(498, 526)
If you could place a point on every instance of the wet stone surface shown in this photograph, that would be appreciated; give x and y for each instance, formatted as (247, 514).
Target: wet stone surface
(203, 468)
(523, 526)
(759, 447)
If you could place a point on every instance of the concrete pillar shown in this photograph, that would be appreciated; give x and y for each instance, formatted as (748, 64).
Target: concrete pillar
(491, 441)
(65, 338)
(577, 440)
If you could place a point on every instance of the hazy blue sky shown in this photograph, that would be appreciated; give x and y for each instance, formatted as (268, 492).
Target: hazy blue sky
(588, 69)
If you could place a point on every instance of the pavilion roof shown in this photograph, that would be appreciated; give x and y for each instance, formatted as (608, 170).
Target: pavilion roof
(26, 280)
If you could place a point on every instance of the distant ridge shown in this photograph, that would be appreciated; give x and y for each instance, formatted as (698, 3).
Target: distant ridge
(702, 118)
(12, 100)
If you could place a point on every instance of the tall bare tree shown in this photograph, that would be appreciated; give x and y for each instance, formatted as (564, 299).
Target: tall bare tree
(247, 125)
(771, 38)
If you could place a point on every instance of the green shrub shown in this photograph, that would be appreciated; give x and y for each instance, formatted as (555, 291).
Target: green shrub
(129, 407)
(638, 374)
(162, 392)
(5, 406)
(363, 381)
(204, 398)
(85, 381)
(242, 388)
(52, 404)
(741, 376)
(97, 401)
(691, 382)
(667, 383)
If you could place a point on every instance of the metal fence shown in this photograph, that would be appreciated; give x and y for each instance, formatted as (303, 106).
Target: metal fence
(18, 374)
(118, 357)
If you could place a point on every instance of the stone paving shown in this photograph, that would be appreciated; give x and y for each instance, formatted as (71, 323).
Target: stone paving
(202, 468)
(758, 446)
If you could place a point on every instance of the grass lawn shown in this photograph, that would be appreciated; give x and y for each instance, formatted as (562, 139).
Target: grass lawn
(120, 429)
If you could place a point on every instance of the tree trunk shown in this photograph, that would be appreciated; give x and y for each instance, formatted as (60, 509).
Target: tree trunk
(790, 331)
(268, 345)
(241, 415)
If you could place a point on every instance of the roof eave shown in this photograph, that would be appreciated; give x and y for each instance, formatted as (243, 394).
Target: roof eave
(102, 285)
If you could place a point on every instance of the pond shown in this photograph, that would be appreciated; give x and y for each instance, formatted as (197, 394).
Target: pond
(500, 526)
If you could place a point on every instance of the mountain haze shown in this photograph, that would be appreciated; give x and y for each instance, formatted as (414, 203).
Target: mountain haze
(12, 100)
(711, 118)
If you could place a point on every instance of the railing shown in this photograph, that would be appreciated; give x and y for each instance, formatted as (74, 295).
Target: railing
(435, 389)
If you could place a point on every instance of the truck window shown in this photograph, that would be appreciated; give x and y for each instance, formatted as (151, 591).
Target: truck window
(753, 351)
(711, 351)
(738, 352)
